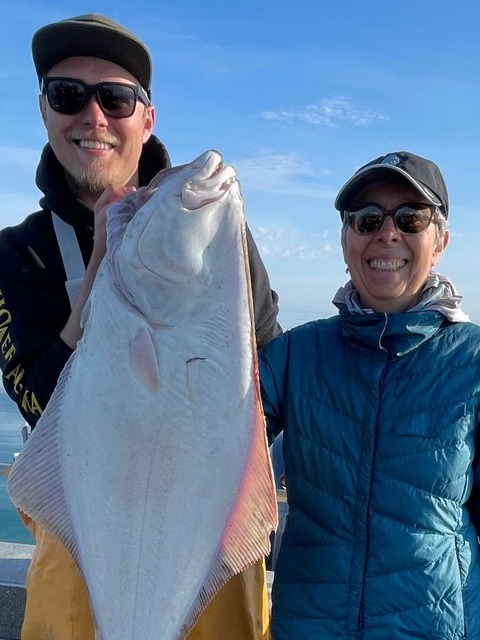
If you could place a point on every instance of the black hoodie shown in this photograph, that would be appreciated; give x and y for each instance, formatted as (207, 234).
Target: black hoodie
(34, 305)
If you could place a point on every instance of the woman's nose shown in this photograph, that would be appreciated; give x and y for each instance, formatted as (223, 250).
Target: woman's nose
(388, 231)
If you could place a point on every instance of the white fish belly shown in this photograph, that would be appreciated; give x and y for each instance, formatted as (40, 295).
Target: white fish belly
(150, 461)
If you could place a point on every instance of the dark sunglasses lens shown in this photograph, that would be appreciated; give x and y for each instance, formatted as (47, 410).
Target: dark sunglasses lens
(116, 100)
(66, 97)
(410, 220)
(366, 220)
(69, 97)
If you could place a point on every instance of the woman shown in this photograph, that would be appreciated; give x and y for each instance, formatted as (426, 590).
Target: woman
(380, 408)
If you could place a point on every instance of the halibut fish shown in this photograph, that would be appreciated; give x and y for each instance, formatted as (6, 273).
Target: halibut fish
(150, 461)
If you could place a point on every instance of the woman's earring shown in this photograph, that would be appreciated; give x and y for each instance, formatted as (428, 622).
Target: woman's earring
(346, 270)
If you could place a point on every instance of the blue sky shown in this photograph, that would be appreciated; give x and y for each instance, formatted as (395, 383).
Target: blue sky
(296, 95)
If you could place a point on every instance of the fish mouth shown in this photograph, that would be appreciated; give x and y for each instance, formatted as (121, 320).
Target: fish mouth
(212, 182)
(387, 265)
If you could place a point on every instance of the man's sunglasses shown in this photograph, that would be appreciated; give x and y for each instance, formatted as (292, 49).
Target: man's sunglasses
(115, 99)
(407, 218)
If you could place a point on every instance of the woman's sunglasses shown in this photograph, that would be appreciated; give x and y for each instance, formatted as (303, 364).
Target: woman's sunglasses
(407, 218)
(115, 99)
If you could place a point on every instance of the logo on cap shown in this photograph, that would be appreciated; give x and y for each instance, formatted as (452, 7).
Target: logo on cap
(391, 159)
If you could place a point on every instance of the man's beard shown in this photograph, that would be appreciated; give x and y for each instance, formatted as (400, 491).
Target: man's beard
(93, 179)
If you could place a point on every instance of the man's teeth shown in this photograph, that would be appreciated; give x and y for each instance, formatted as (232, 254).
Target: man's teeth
(387, 265)
(94, 144)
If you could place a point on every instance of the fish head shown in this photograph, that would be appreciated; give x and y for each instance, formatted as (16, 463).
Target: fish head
(167, 242)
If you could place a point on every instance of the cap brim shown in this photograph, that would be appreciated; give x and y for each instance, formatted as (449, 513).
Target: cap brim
(370, 174)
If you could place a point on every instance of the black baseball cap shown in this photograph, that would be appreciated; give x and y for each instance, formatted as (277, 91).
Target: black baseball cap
(91, 35)
(421, 173)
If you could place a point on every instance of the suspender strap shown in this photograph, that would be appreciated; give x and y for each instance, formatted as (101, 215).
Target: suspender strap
(71, 255)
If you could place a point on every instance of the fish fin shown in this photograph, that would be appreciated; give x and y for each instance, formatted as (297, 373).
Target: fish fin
(34, 482)
(246, 538)
(86, 311)
(144, 359)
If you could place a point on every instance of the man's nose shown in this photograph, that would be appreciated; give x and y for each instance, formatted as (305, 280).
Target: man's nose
(92, 112)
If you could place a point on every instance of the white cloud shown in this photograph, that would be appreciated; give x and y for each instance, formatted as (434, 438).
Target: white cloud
(329, 112)
(282, 173)
(26, 159)
(294, 244)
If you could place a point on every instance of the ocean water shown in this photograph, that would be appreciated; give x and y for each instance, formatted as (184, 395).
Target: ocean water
(11, 422)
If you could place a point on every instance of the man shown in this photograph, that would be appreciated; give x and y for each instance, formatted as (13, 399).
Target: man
(95, 82)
